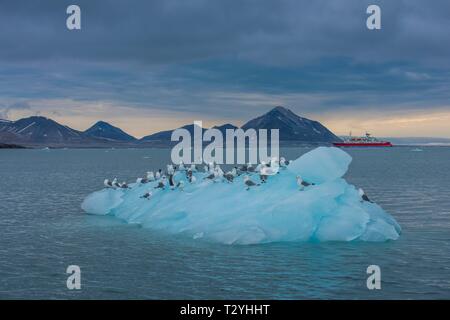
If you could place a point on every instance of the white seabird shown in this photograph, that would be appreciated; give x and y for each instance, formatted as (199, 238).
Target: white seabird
(210, 176)
(161, 183)
(269, 171)
(249, 183)
(219, 171)
(229, 176)
(260, 165)
(108, 184)
(284, 163)
(115, 183)
(274, 165)
(171, 181)
(363, 195)
(124, 185)
(301, 183)
(170, 169)
(243, 168)
(142, 180)
(150, 176)
(147, 195)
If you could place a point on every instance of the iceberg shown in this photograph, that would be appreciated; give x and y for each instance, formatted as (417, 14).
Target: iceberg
(330, 209)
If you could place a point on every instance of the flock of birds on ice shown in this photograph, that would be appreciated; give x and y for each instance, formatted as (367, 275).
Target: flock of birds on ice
(214, 173)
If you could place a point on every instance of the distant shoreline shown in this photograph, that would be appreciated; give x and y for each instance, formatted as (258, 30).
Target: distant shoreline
(11, 146)
(135, 147)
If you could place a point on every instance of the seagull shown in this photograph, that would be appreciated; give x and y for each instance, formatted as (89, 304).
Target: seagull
(229, 176)
(274, 165)
(124, 185)
(244, 168)
(249, 183)
(219, 171)
(211, 176)
(302, 184)
(161, 183)
(147, 195)
(142, 180)
(170, 169)
(150, 176)
(115, 184)
(269, 171)
(263, 177)
(171, 182)
(363, 195)
(108, 184)
(189, 175)
(260, 166)
(236, 171)
(283, 162)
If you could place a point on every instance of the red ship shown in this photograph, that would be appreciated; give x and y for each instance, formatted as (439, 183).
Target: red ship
(367, 141)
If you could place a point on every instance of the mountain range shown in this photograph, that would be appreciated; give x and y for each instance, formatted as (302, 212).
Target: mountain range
(40, 131)
(103, 130)
(292, 127)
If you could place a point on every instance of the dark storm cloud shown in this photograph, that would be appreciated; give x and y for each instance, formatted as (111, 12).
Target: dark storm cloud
(272, 32)
(216, 56)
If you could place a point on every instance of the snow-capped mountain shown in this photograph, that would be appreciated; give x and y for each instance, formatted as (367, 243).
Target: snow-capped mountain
(38, 129)
(104, 130)
(292, 127)
(4, 122)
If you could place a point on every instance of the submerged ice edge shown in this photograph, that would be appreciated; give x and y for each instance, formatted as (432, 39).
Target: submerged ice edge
(329, 209)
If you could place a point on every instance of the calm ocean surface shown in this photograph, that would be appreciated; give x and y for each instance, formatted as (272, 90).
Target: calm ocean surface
(43, 230)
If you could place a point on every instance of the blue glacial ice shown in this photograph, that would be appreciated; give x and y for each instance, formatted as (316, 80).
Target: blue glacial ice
(276, 211)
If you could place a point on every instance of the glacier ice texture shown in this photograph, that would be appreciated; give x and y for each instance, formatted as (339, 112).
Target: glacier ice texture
(276, 211)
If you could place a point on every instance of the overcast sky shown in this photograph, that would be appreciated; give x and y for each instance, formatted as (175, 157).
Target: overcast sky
(152, 65)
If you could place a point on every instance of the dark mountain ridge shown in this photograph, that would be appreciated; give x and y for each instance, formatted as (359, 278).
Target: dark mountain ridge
(41, 131)
(104, 130)
(292, 127)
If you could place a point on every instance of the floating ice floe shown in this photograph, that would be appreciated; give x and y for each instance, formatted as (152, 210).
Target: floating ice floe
(329, 209)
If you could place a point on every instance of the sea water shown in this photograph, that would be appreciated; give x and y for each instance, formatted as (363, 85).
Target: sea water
(43, 230)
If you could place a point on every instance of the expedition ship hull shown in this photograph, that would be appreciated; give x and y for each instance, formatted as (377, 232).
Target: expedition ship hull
(363, 144)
